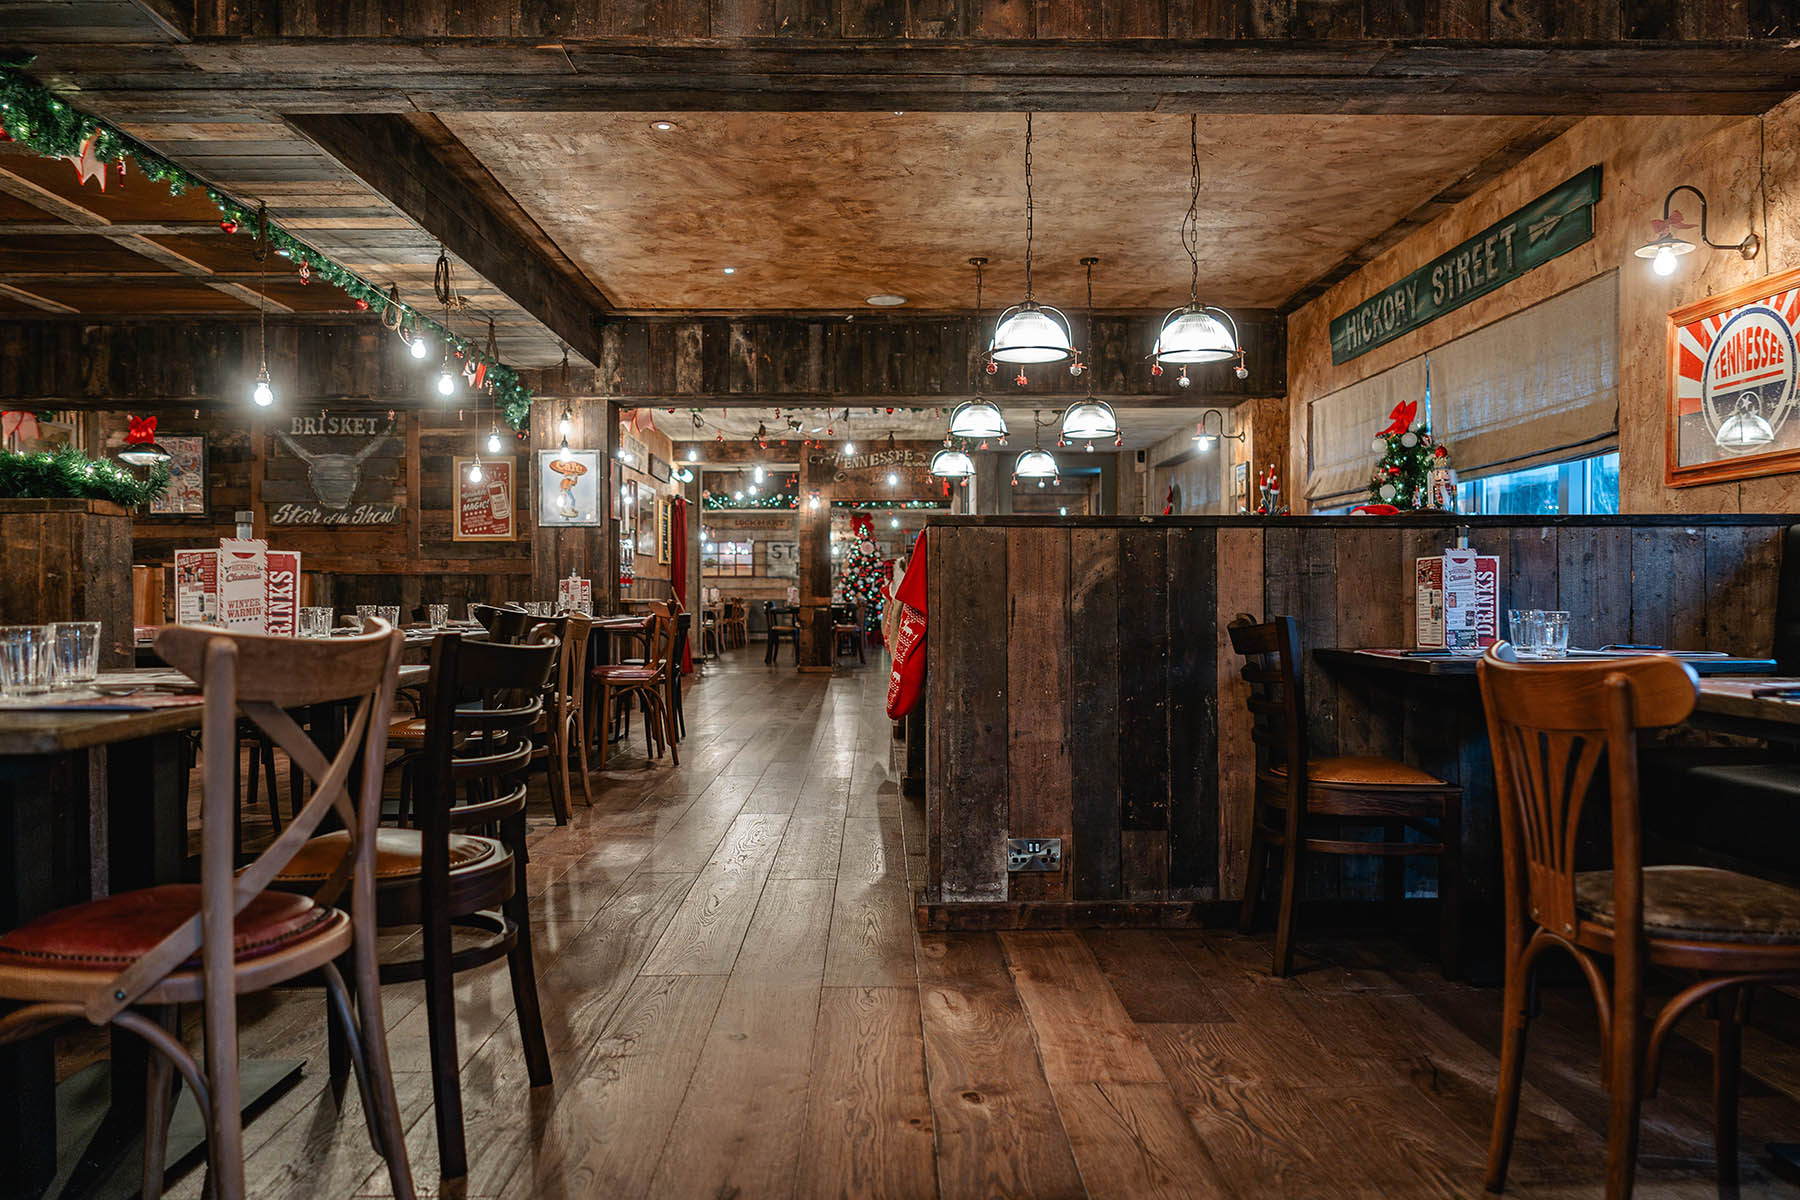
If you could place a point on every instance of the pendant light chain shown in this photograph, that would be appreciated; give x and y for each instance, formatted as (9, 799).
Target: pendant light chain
(1028, 206)
(262, 284)
(980, 264)
(1190, 224)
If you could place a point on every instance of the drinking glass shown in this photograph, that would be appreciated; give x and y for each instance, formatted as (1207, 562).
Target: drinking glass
(439, 615)
(316, 621)
(75, 653)
(1524, 626)
(1555, 638)
(366, 613)
(24, 660)
(390, 613)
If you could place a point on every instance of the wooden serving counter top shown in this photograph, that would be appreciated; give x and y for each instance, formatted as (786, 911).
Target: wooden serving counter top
(1080, 684)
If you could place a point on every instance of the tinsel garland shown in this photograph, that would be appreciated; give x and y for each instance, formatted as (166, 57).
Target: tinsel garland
(716, 500)
(68, 474)
(32, 116)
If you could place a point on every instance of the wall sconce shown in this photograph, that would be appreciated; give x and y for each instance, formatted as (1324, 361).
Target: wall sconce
(1204, 437)
(1669, 244)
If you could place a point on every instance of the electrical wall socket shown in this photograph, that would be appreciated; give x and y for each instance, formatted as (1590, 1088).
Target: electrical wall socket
(1034, 854)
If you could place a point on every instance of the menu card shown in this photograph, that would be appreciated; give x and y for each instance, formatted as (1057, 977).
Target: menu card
(576, 595)
(1457, 601)
(242, 585)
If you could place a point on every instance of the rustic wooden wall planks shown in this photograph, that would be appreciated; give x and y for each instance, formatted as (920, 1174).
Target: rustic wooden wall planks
(1113, 631)
(64, 560)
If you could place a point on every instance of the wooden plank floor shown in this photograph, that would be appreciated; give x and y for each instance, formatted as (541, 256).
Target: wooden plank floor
(738, 1007)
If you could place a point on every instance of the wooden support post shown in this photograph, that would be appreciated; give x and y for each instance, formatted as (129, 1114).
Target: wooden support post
(814, 529)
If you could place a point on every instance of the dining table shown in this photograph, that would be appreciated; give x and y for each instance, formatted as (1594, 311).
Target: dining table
(94, 801)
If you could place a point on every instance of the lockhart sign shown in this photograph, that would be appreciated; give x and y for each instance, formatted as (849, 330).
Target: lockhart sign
(1550, 226)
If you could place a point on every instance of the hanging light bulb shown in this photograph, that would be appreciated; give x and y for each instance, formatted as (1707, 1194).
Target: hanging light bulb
(475, 472)
(494, 444)
(1196, 332)
(893, 522)
(849, 447)
(565, 424)
(759, 474)
(1030, 332)
(892, 479)
(446, 380)
(262, 394)
(693, 455)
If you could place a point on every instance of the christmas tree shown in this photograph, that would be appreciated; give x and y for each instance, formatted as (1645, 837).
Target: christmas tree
(1409, 454)
(865, 573)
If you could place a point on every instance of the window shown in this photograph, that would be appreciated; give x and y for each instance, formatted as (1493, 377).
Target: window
(727, 558)
(1580, 487)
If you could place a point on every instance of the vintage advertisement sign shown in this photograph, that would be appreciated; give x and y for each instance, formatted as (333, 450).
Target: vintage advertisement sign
(1550, 226)
(187, 477)
(1733, 369)
(484, 511)
(196, 587)
(864, 475)
(335, 469)
(568, 487)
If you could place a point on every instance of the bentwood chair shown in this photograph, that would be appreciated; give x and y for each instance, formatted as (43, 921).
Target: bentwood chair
(848, 629)
(737, 622)
(504, 623)
(1559, 732)
(648, 682)
(564, 724)
(463, 864)
(1297, 794)
(783, 624)
(130, 959)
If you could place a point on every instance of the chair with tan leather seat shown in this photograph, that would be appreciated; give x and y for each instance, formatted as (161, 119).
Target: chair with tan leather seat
(464, 862)
(648, 681)
(1559, 732)
(129, 959)
(1304, 793)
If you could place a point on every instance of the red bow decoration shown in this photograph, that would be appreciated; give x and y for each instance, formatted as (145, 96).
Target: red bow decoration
(1669, 224)
(1402, 415)
(143, 429)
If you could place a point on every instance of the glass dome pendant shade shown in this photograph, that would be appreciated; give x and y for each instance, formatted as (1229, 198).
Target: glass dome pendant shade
(143, 454)
(1089, 420)
(951, 463)
(1036, 463)
(1030, 332)
(977, 419)
(1745, 428)
(1194, 335)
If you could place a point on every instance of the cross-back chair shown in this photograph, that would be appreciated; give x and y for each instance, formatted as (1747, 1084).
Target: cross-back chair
(1295, 793)
(130, 959)
(463, 863)
(649, 681)
(1561, 732)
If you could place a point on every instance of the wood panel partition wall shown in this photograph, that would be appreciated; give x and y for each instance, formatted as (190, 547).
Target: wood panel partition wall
(1080, 684)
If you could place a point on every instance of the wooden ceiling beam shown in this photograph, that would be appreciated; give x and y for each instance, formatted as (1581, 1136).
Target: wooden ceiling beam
(32, 299)
(84, 220)
(420, 168)
(328, 74)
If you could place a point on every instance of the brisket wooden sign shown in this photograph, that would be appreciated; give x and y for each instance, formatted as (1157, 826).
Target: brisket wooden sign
(334, 469)
(1552, 225)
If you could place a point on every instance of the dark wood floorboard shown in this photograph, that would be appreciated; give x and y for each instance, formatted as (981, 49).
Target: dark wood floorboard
(737, 1005)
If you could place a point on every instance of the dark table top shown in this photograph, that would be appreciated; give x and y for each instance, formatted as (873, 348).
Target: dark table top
(28, 732)
(1464, 665)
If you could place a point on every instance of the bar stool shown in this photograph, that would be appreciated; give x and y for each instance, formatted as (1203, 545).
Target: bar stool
(1555, 729)
(129, 959)
(1303, 791)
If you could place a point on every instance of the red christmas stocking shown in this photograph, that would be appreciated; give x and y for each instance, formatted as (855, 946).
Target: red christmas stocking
(907, 679)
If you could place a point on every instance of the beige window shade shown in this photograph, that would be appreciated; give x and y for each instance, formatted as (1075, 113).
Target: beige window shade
(1536, 387)
(1344, 425)
(1541, 385)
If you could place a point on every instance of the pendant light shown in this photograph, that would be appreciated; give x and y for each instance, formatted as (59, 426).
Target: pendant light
(1089, 420)
(446, 380)
(1036, 463)
(1030, 332)
(262, 395)
(1196, 333)
(1669, 243)
(978, 419)
(952, 463)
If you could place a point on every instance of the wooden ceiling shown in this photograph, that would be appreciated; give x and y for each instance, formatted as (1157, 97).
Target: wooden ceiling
(818, 211)
(1141, 428)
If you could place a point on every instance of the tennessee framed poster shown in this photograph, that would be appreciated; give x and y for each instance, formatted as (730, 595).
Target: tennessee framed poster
(1732, 374)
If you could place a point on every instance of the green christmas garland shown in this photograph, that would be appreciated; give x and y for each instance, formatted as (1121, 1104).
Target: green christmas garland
(32, 116)
(68, 474)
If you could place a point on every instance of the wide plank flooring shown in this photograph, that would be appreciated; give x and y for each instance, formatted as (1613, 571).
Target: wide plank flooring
(738, 1005)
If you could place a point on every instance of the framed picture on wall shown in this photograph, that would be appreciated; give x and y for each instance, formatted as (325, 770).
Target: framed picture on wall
(646, 521)
(665, 536)
(569, 487)
(1732, 374)
(484, 509)
(186, 496)
(783, 559)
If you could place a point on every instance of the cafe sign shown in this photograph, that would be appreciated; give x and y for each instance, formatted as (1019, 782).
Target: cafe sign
(1549, 227)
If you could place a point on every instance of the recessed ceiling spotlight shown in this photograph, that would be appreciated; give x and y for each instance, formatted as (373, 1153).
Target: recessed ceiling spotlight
(886, 300)
(662, 126)
(729, 270)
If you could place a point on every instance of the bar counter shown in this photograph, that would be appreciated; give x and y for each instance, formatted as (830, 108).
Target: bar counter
(1080, 684)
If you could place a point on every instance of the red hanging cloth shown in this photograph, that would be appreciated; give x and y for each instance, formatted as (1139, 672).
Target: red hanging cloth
(678, 574)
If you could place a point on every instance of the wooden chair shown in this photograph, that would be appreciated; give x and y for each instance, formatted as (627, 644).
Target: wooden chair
(786, 628)
(565, 713)
(504, 624)
(464, 862)
(737, 622)
(129, 959)
(1557, 731)
(1302, 792)
(648, 681)
(850, 629)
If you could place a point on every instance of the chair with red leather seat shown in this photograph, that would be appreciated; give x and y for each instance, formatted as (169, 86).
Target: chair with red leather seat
(129, 959)
(647, 680)
(1307, 792)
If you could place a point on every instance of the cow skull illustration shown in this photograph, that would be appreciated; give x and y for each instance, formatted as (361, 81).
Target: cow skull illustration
(334, 477)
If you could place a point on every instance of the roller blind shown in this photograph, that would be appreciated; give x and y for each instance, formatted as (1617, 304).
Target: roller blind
(1535, 387)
